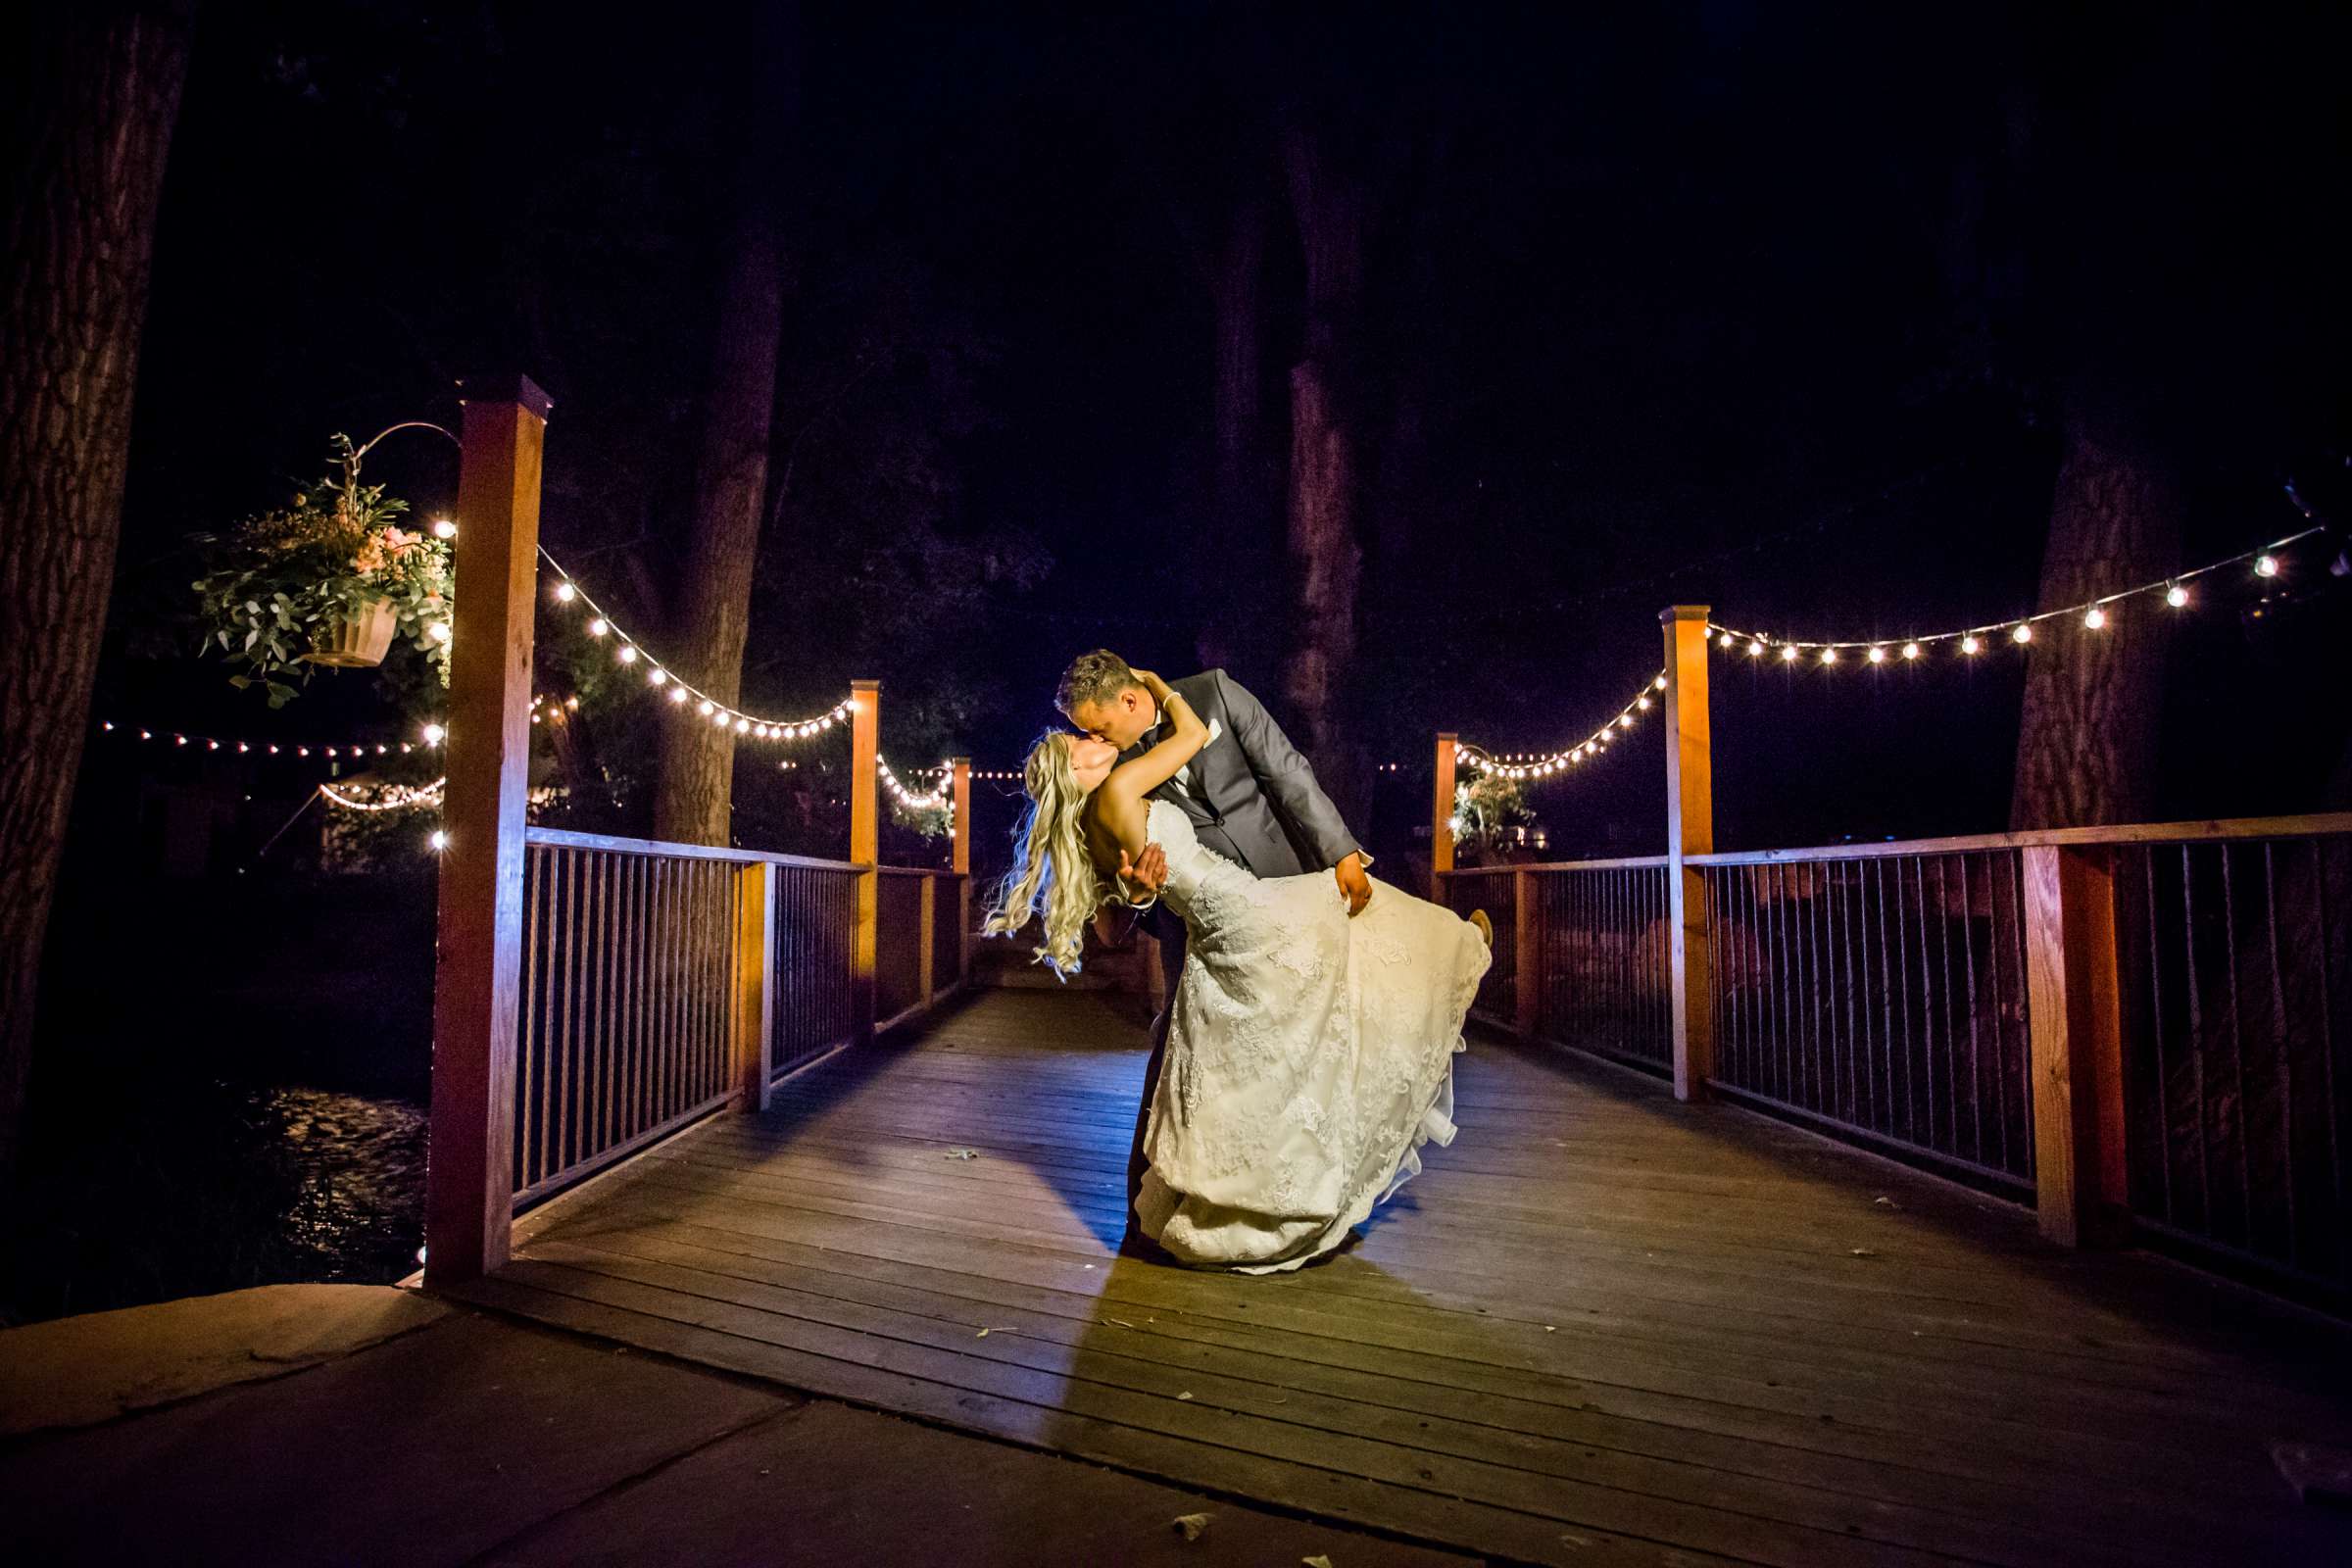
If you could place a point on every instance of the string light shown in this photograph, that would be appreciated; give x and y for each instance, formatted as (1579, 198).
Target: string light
(2093, 614)
(676, 687)
(1530, 766)
(391, 798)
(933, 800)
(430, 735)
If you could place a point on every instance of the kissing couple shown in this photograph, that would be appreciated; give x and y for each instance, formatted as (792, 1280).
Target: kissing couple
(1306, 1051)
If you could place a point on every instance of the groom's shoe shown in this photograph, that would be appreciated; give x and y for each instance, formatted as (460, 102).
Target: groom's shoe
(1486, 927)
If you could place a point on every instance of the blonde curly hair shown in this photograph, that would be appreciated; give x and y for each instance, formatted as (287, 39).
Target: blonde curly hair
(1052, 876)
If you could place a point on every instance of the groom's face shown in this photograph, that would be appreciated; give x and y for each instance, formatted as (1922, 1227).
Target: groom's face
(1120, 720)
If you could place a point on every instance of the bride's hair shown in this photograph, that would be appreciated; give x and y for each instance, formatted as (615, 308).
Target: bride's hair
(1053, 875)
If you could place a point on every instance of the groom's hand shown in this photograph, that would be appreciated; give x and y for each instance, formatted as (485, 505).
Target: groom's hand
(1145, 874)
(1354, 886)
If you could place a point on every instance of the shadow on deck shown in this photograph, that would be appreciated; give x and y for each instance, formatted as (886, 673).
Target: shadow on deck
(1600, 1327)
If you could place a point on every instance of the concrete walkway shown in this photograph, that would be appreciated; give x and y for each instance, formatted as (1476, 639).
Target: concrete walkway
(415, 1434)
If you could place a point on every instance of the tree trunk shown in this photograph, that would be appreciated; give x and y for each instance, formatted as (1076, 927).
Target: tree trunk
(1239, 510)
(1326, 556)
(2087, 742)
(90, 131)
(694, 802)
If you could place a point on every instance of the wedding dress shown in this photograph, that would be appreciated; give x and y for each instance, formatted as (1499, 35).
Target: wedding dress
(1309, 1057)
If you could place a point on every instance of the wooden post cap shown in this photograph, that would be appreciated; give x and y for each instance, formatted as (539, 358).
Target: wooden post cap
(1673, 613)
(506, 386)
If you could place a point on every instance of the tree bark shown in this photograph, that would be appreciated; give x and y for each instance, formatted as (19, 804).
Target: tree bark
(90, 131)
(1326, 555)
(1240, 510)
(695, 800)
(2086, 742)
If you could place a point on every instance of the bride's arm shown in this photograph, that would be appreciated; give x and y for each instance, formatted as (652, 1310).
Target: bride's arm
(1138, 778)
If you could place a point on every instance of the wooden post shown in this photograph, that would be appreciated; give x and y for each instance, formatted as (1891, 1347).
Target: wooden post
(1689, 830)
(865, 726)
(2075, 1017)
(469, 1182)
(960, 857)
(926, 920)
(1527, 959)
(755, 981)
(1441, 819)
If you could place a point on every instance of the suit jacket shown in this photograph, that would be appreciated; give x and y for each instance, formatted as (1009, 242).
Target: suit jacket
(1255, 799)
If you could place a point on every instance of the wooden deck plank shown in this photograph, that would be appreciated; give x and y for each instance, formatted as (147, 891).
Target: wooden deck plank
(1598, 1315)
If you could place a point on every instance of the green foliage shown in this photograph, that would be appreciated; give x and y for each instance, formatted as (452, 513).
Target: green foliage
(285, 578)
(1484, 807)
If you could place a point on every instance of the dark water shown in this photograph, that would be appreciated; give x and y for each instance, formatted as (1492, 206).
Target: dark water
(229, 1090)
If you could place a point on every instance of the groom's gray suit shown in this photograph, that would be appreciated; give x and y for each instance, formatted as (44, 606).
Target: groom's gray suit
(1252, 799)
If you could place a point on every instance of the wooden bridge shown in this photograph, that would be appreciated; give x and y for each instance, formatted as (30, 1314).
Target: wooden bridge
(1785, 1224)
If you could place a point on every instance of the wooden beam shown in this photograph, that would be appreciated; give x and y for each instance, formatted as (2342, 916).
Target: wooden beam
(1689, 830)
(926, 923)
(755, 981)
(1527, 956)
(961, 906)
(865, 728)
(1441, 819)
(469, 1188)
(2075, 1019)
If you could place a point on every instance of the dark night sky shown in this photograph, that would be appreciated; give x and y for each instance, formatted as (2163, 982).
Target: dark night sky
(1680, 317)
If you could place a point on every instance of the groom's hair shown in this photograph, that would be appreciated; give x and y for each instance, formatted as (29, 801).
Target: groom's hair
(1093, 677)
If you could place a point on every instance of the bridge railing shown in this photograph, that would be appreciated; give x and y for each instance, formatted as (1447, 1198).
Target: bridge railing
(2137, 1028)
(662, 982)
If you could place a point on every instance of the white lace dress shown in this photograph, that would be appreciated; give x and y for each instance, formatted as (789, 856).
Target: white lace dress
(1309, 1057)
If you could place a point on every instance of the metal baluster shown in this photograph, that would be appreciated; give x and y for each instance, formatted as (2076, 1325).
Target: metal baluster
(2197, 1037)
(2287, 1067)
(2163, 1074)
(2237, 1051)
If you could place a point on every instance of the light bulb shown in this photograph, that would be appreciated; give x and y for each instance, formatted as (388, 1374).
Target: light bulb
(1910, 650)
(445, 529)
(2267, 566)
(1729, 639)
(1878, 656)
(1642, 703)
(1787, 654)
(2096, 619)
(212, 745)
(564, 593)
(677, 694)
(571, 703)
(438, 631)
(598, 626)
(273, 751)
(1659, 684)
(704, 710)
(1755, 650)
(440, 839)
(1969, 644)
(656, 675)
(741, 724)
(627, 654)
(2176, 596)
(1829, 655)
(2023, 633)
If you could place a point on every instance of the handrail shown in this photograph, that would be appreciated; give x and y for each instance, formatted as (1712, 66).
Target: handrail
(1630, 862)
(566, 838)
(2208, 832)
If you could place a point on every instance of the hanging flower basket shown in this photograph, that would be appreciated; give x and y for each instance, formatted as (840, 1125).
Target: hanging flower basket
(359, 640)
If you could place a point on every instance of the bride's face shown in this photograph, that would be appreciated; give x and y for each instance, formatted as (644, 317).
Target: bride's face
(1092, 761)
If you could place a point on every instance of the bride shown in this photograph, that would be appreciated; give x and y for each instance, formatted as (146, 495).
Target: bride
(1310, 1054)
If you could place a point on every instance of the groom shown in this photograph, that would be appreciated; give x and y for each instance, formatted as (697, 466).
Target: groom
(1249, 796)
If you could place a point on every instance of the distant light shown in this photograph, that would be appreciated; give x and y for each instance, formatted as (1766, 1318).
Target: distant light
(677, 694)
(628, 653)
(2267, 566)
(2024, 633)
(564, 593)
(445, 529)
(1970, 644)
(438, 631)
(707, 708)
(1754, 649)
(1910, 650)
(598, 626)
(433, 734)
(440, 841)
(656, 675)
(2096, 619)
(1787, 654)
(1878, 656)
(2176, 596)
(1829, 655)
